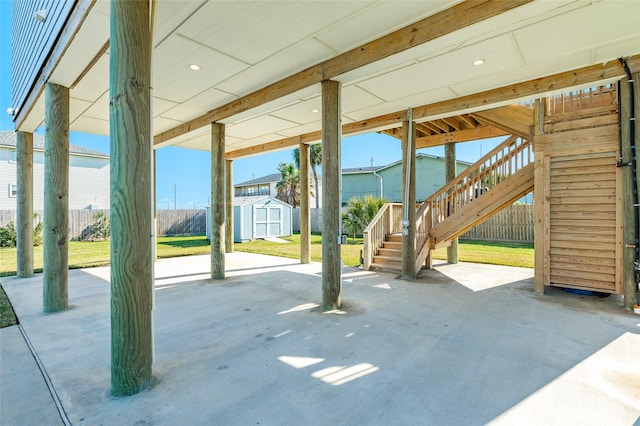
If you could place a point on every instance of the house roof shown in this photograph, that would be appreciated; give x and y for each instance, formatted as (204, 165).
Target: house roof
(8, 138)
(274, 177)
(373, 169)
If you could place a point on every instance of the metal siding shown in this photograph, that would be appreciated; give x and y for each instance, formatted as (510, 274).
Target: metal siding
(32, 41)
(359, 185)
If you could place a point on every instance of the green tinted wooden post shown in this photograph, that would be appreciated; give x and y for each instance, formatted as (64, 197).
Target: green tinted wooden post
(450, 174)
(305, 208)
(131, 211)
(217, 201)
(331, 216)
(228, 239)
(24, 229)
(56, 199)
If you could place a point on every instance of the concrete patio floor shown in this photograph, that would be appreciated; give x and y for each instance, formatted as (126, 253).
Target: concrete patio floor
(463, 344)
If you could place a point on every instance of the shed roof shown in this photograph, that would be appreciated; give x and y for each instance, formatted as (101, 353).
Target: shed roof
(243, 201)
(8, 138)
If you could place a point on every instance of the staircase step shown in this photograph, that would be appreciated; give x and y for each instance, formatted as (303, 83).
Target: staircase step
(394, 238)
(390, 252)
(392, 245)
(386, 267)
(387, 260)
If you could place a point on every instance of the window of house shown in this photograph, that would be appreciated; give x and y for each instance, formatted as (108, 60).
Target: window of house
(13, 190)
(251, 190)
(14, 156)
(264, 189)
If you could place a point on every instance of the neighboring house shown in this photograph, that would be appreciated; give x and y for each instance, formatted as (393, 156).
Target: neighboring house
(88, 175)
(386, 181)
(266, 185)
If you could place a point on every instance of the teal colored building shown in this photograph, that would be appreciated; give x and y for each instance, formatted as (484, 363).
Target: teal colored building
(386, 181)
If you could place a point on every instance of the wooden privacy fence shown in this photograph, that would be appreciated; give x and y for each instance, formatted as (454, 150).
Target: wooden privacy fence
(513, 224)
(169, 222)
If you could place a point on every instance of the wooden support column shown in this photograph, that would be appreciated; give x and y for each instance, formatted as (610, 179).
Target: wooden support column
(408, 199)
(540, 208)
(217, 201)
(450, 174)
(331, 196)
(630, 286)
(56, 199)
(131, 196)
(24, 240)
(228, 238)
(305, 208)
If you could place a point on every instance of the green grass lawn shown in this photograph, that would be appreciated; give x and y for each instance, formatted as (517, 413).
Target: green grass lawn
(86, 254)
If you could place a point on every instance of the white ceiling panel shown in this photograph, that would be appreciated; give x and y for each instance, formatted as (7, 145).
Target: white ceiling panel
(274, 105)
(100, 108)
(95, 82)
(499, 54)
(161, 124)
(77, 107)
(567, 62)
(414, 100)
(195, 106)
(616, 49)
(383, 17)
(171, 14)
(301, 112)
(355, 98)
(284, 63)
(175, 81)
(265, 27)
(91, 125)
(591, 26)
(299, 130)
(93, 34)
(161, 105)
(259, 126)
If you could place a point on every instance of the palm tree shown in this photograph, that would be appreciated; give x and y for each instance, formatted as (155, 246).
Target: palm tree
(315, 159)
(359, 213)
(289, 185)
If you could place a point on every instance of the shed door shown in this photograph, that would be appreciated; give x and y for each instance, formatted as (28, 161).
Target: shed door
(267, 221)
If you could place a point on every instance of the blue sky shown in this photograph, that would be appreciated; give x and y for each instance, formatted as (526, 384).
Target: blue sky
(188, 171)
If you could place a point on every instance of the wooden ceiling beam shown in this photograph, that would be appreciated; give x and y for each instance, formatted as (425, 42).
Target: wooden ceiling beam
(453, 122)
(424, 129)
(532, 88)
(529, 89)
(468, 120)
(440, 124)
(430, 28)
(482, 132)
(515, 119)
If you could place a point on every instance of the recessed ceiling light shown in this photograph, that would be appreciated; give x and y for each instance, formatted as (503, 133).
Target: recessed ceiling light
(478, 62)
(194, 67)
(315, 110)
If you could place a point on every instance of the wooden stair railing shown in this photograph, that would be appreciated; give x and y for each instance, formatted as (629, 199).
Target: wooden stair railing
(387, 221)
(514, 157)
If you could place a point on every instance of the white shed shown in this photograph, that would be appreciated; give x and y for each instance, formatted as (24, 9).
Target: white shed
(258, 216)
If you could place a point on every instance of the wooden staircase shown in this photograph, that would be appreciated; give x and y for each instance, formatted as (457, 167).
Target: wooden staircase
(389, 256)
(494, 182)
